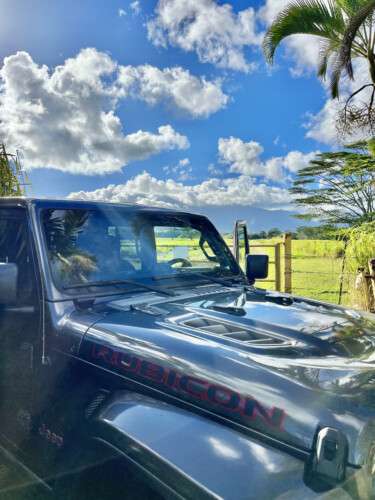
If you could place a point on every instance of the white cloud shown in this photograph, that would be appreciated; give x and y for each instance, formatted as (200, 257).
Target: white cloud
(214, 170)
(244, 158)
(271, 9)
(147, 190)
(183, 171)
(175, 86)
(215, 32)
(295, 160)
(121, 12)
(66, 118)
(136, 7)
(220, 36)
(322, 125)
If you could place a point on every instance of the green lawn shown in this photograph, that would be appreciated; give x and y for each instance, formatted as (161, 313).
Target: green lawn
(316, 265)
(316, 268)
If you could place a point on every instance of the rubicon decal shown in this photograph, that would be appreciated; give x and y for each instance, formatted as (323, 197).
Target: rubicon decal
(216, 396)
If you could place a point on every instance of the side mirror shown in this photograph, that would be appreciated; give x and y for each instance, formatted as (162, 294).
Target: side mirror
(256, 267)
(8, 283)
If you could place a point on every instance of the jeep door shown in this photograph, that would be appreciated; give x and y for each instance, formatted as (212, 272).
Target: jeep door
(19, 328)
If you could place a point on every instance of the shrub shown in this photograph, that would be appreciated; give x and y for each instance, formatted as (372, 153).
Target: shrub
(361, 245)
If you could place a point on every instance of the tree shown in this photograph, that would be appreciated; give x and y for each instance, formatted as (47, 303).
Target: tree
(9, 174)
(315, 233)
(274, 232)
(346, 30)
(338, 189)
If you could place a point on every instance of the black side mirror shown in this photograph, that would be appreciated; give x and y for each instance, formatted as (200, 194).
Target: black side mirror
(8, 283)
(256, 267)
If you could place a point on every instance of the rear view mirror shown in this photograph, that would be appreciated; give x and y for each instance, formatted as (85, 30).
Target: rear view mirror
(8, 283)
(256, 267)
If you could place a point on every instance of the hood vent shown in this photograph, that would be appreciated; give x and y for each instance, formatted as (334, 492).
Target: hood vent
(232, 331)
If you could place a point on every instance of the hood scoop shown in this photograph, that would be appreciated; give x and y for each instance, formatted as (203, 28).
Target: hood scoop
(233, 331)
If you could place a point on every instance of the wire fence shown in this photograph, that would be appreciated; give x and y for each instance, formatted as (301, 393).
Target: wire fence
(319, 269)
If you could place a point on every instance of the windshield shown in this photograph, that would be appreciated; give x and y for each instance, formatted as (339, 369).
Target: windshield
(96, 246)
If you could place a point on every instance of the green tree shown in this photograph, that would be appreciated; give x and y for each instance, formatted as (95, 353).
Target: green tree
(338, 189)
(9, 174)
(315, 233)
(346, 30)
(274, 232)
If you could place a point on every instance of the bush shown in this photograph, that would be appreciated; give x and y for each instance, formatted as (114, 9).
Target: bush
(361, 245)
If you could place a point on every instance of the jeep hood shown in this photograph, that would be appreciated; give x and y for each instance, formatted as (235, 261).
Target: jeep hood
(276, 366)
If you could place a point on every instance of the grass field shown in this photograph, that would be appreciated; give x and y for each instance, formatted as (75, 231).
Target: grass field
(316, 266)
(316, 269)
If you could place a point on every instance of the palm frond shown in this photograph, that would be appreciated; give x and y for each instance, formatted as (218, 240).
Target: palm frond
(310, 17)
(350, 7)
(344, 56)
(335, 77)
(327, 49)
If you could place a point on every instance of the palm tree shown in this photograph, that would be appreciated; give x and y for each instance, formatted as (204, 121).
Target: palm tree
(346, 29)
(10, 174)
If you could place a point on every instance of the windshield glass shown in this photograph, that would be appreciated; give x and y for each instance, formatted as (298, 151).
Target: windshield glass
(93, 246)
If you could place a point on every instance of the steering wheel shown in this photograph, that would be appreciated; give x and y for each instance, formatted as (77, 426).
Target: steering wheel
(180, 260)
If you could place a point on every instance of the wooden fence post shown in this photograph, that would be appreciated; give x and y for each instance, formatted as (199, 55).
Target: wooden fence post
(362, 290)
(288, 262)
(278, 267)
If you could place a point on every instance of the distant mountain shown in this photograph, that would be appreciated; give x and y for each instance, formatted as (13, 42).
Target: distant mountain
(258, 219)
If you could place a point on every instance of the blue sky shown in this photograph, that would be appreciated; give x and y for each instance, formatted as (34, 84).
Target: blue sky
(268, 113)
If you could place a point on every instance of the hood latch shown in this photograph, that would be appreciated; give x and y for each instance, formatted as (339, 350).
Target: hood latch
(328, 460)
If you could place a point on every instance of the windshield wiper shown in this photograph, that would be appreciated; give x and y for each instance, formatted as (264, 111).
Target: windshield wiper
(209, 277)
(206, 276)
(118, 282)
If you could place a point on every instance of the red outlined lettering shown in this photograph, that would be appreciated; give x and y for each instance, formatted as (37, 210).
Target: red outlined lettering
(195, 388)
(151, 371)
(224, 397)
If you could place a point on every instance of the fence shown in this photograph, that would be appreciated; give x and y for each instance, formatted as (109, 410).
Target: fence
(310, 268)
(280, 262)
(364, 289)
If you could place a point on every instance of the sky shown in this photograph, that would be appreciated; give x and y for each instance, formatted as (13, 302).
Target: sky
(164, 102)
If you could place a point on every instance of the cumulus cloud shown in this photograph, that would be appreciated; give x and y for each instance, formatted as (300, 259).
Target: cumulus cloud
(147, 190)
(121, 12)
(220, 36)
(244, 158)
(215, 32)
(66, 118)
(183, 171)
(175, 86)
(245, 180)
(136, 7)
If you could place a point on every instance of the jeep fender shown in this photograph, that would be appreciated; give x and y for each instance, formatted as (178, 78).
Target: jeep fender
(192, 456)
